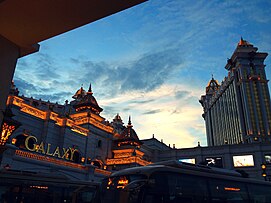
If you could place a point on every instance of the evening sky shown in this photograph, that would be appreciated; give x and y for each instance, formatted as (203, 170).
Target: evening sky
(152, 61)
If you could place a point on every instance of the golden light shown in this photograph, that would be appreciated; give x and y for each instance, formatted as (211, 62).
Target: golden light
(232, 189)
(125, 156)
(8, 126)
(127, 160)
(122, 182)
(33, 111)
(109, 182)
(263, 166)
(39, 187)
(47, 159)
(37, 147)
(74, 123)
(13, 141)
(6, 132)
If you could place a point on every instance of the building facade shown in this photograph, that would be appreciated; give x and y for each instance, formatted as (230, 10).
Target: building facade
(238, 110)
(71, 139)
(247, 158)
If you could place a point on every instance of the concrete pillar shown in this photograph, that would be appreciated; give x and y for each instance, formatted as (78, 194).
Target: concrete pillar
(9, 53)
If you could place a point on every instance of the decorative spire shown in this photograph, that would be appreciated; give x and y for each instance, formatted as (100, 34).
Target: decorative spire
(89, 89)
(129, 127)
(243, 42)
(129, 122)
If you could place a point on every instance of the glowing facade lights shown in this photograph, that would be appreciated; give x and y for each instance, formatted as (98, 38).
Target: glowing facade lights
(73, 122)
(48, 159)
(6, 132)
(8, 126)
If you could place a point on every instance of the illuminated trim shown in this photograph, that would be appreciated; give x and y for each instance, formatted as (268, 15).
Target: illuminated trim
(33, 111)
(39, 187)
(83, 118)
(127, 160)
(48, 159)
(79, 130)
(120, 153)
(232, 189)
(78, 118)
(120, 143)
(17, 101)
(103, 172)
(80, 115)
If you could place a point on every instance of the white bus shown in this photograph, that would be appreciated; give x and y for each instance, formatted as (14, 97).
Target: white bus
(175, 182)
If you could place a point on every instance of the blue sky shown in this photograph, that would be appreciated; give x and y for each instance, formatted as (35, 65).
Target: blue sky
(152, 61)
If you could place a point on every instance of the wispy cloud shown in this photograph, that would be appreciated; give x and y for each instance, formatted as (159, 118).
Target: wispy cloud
(146, 73)
(164, 115)
(152, 112)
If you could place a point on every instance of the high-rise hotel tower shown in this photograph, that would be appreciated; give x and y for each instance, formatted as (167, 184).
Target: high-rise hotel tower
(238, 110)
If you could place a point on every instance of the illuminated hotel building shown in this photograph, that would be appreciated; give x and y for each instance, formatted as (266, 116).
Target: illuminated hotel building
(238, 110)
(74, 141)
(71, 139)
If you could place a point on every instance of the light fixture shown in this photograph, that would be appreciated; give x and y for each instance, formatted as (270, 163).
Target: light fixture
(9, 125)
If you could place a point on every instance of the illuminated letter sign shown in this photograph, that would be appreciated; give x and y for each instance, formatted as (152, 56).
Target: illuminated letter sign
(27, 143)
(46, 149)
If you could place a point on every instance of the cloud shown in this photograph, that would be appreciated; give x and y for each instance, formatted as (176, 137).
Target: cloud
(24, 86)
(42, 66)
(150, 71)
(152, 112)
(46, 67)
(181, 94)
(176, 120)
(110, 110)
(143, 101)
(37, 92)
(127, 109)
(53, 97)
(146, 73)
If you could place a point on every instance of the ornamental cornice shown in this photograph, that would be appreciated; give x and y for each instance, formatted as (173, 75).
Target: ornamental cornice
(127, 160)
(60, 121)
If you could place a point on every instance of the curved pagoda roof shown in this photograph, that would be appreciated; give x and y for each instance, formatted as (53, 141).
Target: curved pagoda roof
(128, 136)
(86, 101)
